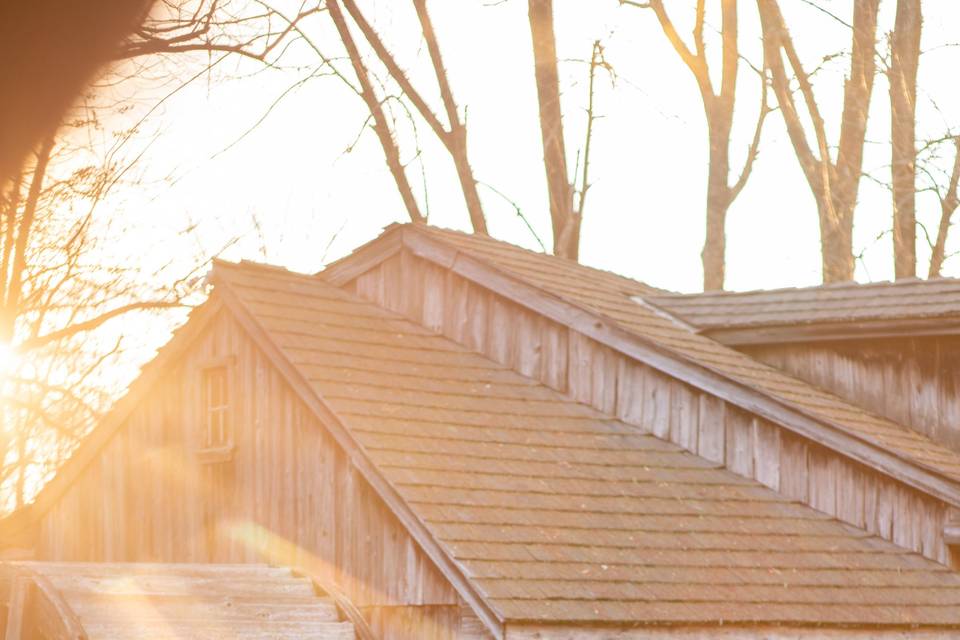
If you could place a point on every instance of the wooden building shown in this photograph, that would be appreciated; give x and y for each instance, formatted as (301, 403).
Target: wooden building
(475, 441)
(892, 348)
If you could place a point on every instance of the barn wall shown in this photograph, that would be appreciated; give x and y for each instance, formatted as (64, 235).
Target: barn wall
(288, 496)
(913, 381)
(615, 384)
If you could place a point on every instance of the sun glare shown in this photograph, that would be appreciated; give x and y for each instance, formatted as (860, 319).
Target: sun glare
(8, 358)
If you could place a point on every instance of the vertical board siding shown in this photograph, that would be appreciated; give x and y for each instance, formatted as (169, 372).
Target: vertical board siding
(443, 622)
(288, 495)
(912, 381)
(594, 374)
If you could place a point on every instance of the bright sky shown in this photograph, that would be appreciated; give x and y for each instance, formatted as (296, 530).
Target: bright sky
(645, 212)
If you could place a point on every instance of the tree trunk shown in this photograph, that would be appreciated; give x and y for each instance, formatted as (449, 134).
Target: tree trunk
(834, 184)
(566, 225)
(836, 241)
(468, 184)
(718, 202)
(905, 57)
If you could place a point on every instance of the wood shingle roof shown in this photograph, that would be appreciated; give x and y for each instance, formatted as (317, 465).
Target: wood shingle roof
(910, 300)
(555, 512)
(613, 299)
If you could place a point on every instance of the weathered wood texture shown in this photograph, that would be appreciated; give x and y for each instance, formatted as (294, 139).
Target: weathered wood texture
(74, 601)
(428, 622)
(596, 375)
(913, 381)
(289, 495)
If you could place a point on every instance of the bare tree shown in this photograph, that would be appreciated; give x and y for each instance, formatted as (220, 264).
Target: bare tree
(388, 90)
(566, 221)
(718, 107)
(58, 291)
(453, 134)
(833, 182)
(381, 125)
(902, 75)
(567, 201)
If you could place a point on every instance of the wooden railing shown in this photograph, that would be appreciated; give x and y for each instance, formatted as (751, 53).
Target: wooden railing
(35, 609)
(344, 605)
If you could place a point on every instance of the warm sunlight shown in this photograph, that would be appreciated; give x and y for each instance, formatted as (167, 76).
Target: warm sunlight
(8, 358)
(477, 320)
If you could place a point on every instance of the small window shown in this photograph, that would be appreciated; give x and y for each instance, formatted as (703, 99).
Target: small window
(215, 409)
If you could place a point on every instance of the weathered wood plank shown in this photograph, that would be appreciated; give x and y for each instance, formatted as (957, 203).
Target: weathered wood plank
(740, 434)
(907, 379)
(711, 427)
(766, 453)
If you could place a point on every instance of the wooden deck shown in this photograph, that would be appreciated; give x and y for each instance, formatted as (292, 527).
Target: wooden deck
(158, 601)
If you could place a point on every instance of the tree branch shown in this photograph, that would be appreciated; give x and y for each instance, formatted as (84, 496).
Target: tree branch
(457, 136)
(19, 261)
(384, 55)
(754, 148)
(93, 323)
(695, 63)
(381, 127)
(948, 205)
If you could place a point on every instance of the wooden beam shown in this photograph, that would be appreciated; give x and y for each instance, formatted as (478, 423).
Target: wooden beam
(54, 617)
(358, 456)
(37, 609)
(17, 609)
(834, 331)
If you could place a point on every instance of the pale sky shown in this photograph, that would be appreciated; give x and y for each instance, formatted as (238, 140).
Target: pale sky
(645, 212)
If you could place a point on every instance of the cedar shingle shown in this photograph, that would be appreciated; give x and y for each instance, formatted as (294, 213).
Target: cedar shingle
(562, 514)
(847, 302)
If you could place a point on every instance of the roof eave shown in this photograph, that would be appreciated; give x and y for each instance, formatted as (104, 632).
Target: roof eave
(834, 331)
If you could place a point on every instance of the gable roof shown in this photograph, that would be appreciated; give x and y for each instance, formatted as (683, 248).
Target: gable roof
(847, 310)
(550, 511)
(614, 311)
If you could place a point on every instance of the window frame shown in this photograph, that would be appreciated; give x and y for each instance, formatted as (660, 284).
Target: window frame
(207, 450)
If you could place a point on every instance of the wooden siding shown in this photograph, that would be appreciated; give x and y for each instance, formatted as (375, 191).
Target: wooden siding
(436, 622)
(607, 380)
(289, 495)
(913, 381)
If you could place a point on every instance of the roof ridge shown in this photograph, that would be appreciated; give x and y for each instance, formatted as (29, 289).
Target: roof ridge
(433, 229)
